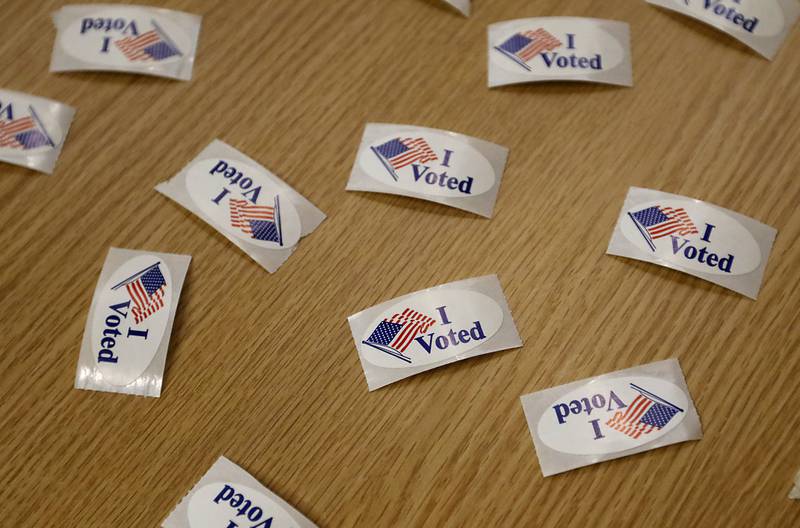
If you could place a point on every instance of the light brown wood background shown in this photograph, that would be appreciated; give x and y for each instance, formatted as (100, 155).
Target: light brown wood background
(262, 368)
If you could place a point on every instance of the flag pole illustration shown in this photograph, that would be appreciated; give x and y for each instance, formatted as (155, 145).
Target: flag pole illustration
(645, 414)
(24, 133)
(152, 45)
(261, 222)
(278, 221)
(397, 153)
(656, 222)
(146, 290)
(523, 46)
(643, 233)
(394, 335)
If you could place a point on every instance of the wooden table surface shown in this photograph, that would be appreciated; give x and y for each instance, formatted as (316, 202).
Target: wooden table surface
(262, 367)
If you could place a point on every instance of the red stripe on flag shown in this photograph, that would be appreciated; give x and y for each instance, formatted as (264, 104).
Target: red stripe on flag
(419, 151)
(132, 47)
(542, 41)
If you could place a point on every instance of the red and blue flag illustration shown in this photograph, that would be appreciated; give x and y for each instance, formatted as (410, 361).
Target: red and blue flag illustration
(146, 290)
(24, 133)
(397, 153)
(656, 222)
(261, 222)
(394, 335)
(646, 413)
(153, 45)
(524, 46)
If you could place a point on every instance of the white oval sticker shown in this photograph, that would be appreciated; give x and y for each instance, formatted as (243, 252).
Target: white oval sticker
(692, 236)
(242, 201)
(557, 47)
(125, 37)
(607, 416)
(431, 327)
(757, 17)
(131, 315)
(225, 504)
(436, 164)
(28, 127)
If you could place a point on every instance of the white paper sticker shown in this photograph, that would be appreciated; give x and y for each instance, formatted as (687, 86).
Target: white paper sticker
(229, 497)
(559, 49)
(434, 165)
(795, 493)
(129, 324)
(128, 38)
(32, 130)
(248, 204)
(760, 24)
(611, 416)
(133, 311)
(254, 212)
(695, 237)
(431, 328)
(461, 5)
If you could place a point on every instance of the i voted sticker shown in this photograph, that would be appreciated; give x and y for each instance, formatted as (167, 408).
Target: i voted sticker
(32, 130)
(761, 24)
(119, 37)
(559, 48)
(244, 201)
(241, 200)
(428, 163)
(227, 504)
(127, 332)
(229, 497)
(431, 328)
(611, 416)
(131, 315)
(125, 38)
(694, 237)
(434, 165)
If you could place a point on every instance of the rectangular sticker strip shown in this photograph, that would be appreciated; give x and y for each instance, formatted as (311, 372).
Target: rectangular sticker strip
(130, 321)
(698, 238)
(245, 202)
(229, 497)
(430, 164)
(32, 130)
(795, 493)
(611, 416)
(760, 24)
(559, 49)
(434, 327)
(129, 38)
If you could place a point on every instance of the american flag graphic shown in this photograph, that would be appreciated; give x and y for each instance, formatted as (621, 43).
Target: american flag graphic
(153, 45)
(647, 413)
(395, 334)
(522, 47)
(657, 222)
(22, 133)
(398, 153)
(261, 222)
(146, 290)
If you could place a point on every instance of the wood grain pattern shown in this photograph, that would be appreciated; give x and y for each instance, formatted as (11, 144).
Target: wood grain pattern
(262, 367)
